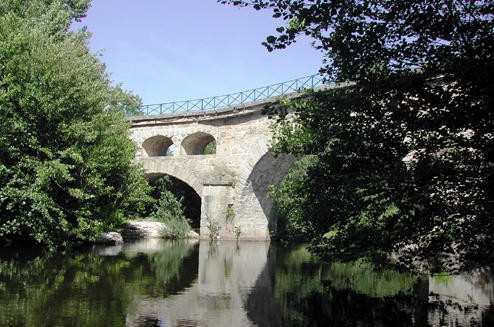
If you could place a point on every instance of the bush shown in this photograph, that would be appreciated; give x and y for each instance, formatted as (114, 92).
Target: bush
(169, 210)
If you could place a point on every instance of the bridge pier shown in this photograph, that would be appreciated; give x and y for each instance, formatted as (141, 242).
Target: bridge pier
(216, 207)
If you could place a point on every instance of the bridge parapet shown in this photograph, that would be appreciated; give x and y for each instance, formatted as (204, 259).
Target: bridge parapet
(236, 99)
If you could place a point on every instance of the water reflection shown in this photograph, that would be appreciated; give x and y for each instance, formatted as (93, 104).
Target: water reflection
(88, 289)
(226, 275)
(462, 300)
(305, 292)
(158, 283)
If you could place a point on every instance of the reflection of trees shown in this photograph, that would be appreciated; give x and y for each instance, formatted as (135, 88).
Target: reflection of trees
(296, 289)
(365, 278)
(170, 267)
(308, 293)
(87, 289)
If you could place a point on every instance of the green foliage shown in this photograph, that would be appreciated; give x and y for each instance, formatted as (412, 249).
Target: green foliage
(65, 156)
(125, 101)
(366, 278)
(367, 176)
(403, 155)
(210, 148)
(230, 212)
(360, 276)
(50, 16)
(169, 210)
(290, 201)
(306, 287)
(213, 227)
(237, 230)
(167, 206)
(176, 228)
(189, 200)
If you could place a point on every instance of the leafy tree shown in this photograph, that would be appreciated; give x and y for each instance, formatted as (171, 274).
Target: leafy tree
(169, 210)
(404, 155)
(125, 101)
(51, 16)
(290, 200)
(65, 158)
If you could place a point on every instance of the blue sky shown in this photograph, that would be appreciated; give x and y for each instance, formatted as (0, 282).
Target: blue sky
(170, 50)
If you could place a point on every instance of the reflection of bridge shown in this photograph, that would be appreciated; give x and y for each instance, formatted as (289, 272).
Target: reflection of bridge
(226, 277)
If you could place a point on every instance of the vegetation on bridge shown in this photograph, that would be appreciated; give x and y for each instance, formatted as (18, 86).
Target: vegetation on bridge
(402, 159)
(65, 158)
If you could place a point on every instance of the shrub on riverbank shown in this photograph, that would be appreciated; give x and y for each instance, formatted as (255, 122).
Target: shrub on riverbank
(169, 210)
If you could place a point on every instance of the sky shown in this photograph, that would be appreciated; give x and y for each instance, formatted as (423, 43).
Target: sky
(172, 50)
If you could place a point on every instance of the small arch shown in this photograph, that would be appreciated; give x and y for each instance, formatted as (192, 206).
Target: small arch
(197, 143)
(158, 146)
(210, 148)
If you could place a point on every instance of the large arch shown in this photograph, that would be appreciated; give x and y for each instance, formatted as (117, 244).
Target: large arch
(157, 146)
(191, 200)
(265, 170)
(196, 143)
(175, 170)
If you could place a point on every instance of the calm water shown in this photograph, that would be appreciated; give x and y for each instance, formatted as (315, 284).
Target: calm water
(159, 283)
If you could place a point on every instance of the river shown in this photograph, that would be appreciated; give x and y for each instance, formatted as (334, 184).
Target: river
(163, 283)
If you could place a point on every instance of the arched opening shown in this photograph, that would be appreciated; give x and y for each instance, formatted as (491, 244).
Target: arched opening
(158, 146)
(191, 201)
(199, 143)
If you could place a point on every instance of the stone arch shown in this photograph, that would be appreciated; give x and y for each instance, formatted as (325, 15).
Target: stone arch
(196, 143)
(156, 167)
(157, 146)
(191, 200)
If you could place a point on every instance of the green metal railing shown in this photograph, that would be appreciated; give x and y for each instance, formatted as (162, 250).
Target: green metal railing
(235, 99)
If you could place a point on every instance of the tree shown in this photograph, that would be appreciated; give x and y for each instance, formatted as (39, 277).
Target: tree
(125, 101)
(404, 155)
(65, 158)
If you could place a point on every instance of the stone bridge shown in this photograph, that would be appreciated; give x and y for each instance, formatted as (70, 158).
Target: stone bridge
(231, 182)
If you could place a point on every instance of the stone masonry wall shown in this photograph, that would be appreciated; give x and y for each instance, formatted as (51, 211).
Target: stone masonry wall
(233, 182)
